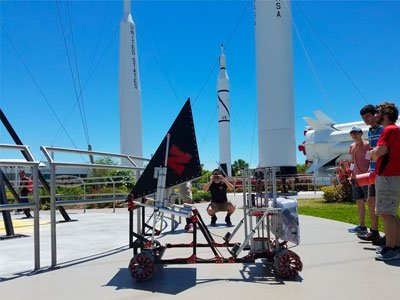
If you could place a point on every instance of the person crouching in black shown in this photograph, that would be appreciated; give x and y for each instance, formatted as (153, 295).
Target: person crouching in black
(218, 187)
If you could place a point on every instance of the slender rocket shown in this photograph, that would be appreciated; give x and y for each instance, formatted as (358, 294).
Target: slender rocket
(274, 71)
(130, 103)
(224, 118)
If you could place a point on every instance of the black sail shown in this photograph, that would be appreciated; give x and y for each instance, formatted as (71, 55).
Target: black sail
(183, 157)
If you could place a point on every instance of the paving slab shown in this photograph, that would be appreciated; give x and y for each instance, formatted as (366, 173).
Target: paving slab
(93, 259)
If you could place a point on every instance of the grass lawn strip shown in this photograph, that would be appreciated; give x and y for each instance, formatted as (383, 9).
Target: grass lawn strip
(343, 212)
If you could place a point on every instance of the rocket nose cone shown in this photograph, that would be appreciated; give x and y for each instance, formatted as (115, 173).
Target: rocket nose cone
(128, 18)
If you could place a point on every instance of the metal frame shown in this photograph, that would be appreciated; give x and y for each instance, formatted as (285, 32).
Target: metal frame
(53, 164)
(268, 219)
(35, 205)
(29, 157)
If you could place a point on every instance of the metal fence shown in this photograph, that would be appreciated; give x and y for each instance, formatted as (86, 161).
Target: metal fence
(33, 164)
(54, 201)
(88, 184)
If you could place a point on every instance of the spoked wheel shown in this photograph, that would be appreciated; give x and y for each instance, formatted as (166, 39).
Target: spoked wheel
(287, 263)
(142, 266)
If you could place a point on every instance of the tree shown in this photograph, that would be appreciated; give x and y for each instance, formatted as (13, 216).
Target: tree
(301, 168)
(123, 177)
(104, 160)
(239, 165)
(205, 175)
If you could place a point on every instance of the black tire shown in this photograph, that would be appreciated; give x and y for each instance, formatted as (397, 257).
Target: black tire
(142, 267)
(287, 264)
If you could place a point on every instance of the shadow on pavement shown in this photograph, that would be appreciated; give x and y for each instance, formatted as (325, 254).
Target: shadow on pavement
(393, 263)
(67, 264)
(264, 273)
(173, 281)
(258, 273)
(170, 281)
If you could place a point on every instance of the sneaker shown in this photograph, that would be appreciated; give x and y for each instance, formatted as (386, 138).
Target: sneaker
(228, 220)
(380, 242)
(379, 249)
(213, 220)
(387, 254)
(359, 230)
(370, 236)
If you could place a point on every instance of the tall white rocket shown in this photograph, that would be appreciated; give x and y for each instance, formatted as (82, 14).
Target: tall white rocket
(130, 103)
(224, 118)
(274, 69)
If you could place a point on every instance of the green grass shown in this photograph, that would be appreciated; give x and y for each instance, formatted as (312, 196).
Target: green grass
(343, 212)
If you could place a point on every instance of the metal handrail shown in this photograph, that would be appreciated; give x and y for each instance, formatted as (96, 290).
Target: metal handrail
(88, 201)
(95, 166)
(129, 158)
(23, 148)
(53, 164)
(12, 206)
(90, 152)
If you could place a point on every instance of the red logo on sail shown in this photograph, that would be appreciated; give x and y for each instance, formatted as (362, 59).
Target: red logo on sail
(177, 159)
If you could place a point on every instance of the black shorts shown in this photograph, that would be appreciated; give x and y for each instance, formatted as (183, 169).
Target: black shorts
(371, 190)
(359, 192)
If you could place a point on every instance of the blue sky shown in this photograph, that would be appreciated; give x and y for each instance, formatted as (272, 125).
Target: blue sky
(346, 57)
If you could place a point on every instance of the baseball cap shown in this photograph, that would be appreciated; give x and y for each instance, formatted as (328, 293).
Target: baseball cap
(216, 172)
(355, 129)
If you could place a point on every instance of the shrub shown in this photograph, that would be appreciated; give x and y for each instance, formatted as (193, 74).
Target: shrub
(238, 189)
(331, 194)
(201, 196)
(341, 190)
(342, 182)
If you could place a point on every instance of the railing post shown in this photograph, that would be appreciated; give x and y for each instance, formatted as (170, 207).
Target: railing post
(53, 214)
(84, 196)
(113, 183)
(36, 228)
(315, 189)
(292, 181)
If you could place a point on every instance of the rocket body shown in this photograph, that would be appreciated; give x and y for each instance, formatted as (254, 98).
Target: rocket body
(224, 118)
(274, 71)
(130, 103)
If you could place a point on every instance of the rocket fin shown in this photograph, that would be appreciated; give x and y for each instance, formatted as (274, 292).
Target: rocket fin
(314, 124)
(323, 118)
(317, 164)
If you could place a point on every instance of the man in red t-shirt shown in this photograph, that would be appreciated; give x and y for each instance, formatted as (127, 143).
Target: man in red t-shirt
(387, 156)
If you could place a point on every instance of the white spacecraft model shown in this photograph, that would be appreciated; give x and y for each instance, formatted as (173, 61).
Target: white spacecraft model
(327, 142)
(274, 71)
(130, 103)
(224, 117)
